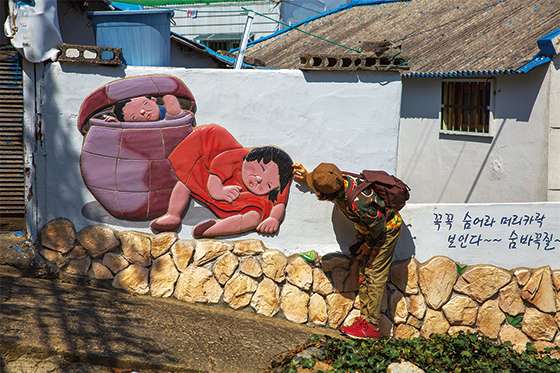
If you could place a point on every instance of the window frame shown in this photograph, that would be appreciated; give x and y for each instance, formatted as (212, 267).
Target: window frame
(227, 43)
(489, 107)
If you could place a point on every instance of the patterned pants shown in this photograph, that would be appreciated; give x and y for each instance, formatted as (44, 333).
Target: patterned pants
(374, 273)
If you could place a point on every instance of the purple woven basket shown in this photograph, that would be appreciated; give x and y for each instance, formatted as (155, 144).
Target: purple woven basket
(124, 164)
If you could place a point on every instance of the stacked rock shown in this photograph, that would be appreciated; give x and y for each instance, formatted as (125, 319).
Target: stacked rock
(439, 296)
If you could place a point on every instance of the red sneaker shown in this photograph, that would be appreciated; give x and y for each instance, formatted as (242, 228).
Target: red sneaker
(356, 325)
(366, 330)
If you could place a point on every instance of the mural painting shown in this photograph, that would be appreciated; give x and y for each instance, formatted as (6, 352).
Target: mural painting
(143, 159)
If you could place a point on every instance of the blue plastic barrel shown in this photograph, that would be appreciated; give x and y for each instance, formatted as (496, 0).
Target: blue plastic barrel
(143, 35)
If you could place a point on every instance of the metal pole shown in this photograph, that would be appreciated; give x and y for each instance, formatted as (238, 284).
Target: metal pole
(244, 40)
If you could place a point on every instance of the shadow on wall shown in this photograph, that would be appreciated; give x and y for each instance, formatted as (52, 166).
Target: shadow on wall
(383, 78)
(345, 236)
(516, 103)
(416, 102)
(405, 248)
(57, 177)
(95, 212)
(343, 230)
(421, 97)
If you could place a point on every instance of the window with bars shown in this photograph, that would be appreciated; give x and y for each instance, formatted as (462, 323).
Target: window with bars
(465, 106)
(224, 45)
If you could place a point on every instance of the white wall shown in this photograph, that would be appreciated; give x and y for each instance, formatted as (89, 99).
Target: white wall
(494, 179)
(510, 167)
(506, 235)
(554, 136)
(350, 119)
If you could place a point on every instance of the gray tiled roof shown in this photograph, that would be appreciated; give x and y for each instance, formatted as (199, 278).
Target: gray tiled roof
(440, 37)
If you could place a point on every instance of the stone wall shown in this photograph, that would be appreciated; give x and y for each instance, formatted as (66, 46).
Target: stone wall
(438, 296)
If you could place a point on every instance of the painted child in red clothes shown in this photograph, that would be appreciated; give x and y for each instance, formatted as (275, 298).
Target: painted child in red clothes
(247, 188)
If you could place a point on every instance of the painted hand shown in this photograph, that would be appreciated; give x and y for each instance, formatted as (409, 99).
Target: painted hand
(172, 105)
(229, 194)
(268, 226)
(300, 173)
(220, 192)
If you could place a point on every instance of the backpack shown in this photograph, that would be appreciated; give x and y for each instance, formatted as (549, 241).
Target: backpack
(394, 192)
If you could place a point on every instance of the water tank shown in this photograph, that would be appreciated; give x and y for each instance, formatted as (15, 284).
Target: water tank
(143, 35)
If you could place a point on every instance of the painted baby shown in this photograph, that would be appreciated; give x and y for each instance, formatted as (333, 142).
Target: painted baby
(146, 109)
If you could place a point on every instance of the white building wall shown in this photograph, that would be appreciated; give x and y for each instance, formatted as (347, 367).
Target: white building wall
(507, 235)
(483, 200)
(347, 118)
(512, 166)
(350, 119)
(225, 18)
(554, 136)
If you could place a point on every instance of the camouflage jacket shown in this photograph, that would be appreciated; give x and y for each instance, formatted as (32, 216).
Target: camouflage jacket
(366, 213)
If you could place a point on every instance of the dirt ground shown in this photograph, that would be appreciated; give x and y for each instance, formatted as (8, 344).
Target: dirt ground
(11, 224)
(47, 325)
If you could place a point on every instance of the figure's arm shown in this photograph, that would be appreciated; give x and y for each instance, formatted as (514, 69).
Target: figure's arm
(300, 173)
(108, 118)
(172, 105)
(218, 191)
(271, 224)
(234, 224)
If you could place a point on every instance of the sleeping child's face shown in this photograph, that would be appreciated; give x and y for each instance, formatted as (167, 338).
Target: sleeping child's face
(141, 109)
(260, 178)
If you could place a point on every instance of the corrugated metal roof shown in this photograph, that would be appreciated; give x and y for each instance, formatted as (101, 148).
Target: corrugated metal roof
(441, 38)
(12, 176)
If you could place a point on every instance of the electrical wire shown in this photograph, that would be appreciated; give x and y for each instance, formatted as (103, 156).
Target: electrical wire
(246, 11)
(305, 32)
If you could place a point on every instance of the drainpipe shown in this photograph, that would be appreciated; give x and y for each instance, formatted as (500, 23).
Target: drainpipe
(244, 41)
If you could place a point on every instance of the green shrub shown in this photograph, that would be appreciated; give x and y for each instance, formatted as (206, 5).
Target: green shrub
(461, 353)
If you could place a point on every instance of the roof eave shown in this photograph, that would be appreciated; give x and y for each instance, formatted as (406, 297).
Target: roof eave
(458, 74)
(201, 48)
(536, 61)
(549, 46)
